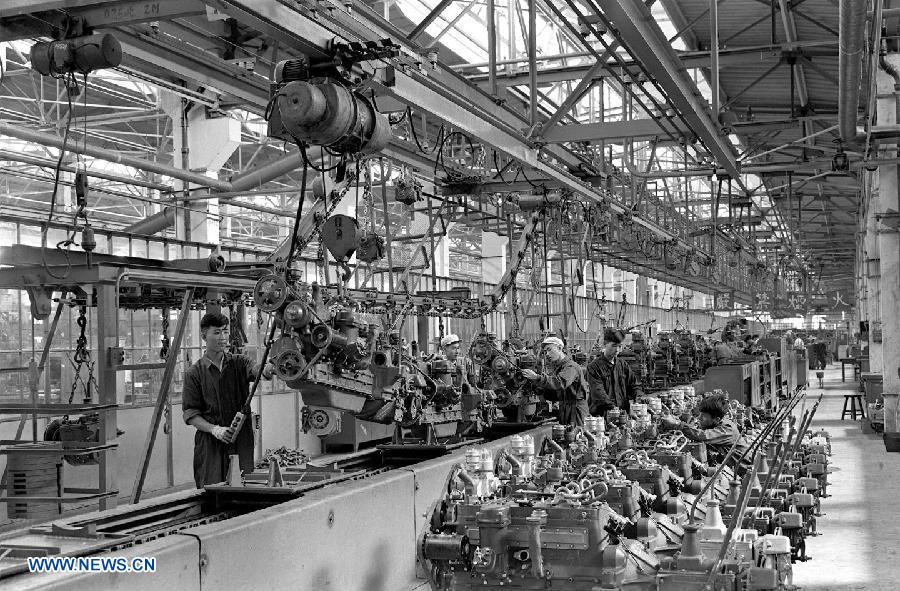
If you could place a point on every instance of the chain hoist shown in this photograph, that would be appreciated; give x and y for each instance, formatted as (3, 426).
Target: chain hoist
(371, 246)
(165, 342)
(81, 355)
(515, 304)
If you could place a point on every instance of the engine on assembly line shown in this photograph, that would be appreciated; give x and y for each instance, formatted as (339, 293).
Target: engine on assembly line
(342, 360)
(615, 505)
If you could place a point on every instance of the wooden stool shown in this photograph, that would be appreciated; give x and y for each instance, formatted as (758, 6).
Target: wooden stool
(856, 405)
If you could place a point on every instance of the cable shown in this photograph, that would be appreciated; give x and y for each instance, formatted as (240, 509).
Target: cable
(62, 154)
(290, 254)
(307, 162)
(415, 136)
(69, 79)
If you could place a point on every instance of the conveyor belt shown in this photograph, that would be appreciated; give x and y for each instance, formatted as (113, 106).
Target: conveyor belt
(129, 525)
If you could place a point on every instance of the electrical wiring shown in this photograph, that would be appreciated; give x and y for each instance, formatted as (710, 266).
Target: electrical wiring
(69, 79)
(308, 162)
(290, 254)
(415, 136)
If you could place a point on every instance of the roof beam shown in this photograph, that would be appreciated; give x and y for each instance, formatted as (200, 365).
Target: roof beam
(734, 56)
(790, 31)
(441, 92)
(646, 42)
(611, 131)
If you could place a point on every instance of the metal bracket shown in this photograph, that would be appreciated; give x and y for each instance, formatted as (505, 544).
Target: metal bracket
(40, 298)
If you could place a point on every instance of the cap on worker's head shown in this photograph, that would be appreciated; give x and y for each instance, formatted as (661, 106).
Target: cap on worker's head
(449, 340)
(553, 341)
(613, 335)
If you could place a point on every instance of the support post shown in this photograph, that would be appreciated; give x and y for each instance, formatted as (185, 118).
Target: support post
(532, 63)
(888, 238)
(714, 58)
(107, 382)
(163, 396)
(492, 47)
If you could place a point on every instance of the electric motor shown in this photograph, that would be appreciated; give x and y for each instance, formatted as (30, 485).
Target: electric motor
(79, 54)
(328, 114)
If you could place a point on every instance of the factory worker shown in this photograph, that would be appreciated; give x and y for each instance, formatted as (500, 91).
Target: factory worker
(215, 389)
(450, 349)
(562, 381)
(612, 383)
(725, 351)
(751, 344)
(717, 432)
(450, 346)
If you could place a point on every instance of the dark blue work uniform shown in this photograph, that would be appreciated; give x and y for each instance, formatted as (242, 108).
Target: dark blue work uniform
(216, 395)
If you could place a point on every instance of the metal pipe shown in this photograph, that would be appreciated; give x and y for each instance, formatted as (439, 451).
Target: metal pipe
(257, 177)
(873, 68)
(714, 61)
(154, 223)
(492, 46)
(46, 162)
(852, 23)
(468, 481)
(884, 13)
(532, 62)
(803, 138)
(44, 139)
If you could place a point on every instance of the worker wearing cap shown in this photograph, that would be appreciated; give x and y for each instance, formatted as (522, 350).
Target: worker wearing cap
(450, 348)
(563, 381)
(612, 383)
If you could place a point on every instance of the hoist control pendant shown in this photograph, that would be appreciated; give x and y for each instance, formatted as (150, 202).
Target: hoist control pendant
(328, 114)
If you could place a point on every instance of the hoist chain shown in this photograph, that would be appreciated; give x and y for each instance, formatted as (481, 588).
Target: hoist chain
(81, 357)
(165, 342)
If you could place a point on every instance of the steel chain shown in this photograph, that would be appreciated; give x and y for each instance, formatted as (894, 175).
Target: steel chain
(82, 355)
(164, 338)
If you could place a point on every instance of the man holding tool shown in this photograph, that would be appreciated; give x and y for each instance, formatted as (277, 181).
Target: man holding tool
(216, 390)
(563, 381)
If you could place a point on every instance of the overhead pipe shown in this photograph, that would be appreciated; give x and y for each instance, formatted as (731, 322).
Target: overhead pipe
(45, 139)
(154, 223)
(852, 26)
(257, 177)
(25, 158)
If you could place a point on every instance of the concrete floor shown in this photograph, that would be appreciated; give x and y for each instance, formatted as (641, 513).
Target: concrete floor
(860, 539)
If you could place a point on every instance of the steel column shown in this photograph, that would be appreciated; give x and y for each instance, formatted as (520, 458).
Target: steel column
(532, 63)
(714, 57)
(162, 399)
(492, 46)
(107, 382)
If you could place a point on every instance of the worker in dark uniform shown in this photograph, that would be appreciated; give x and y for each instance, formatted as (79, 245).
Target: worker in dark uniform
(717, 432)
(462, 372)
(215, 389)
(563, 381)
(612, 383)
